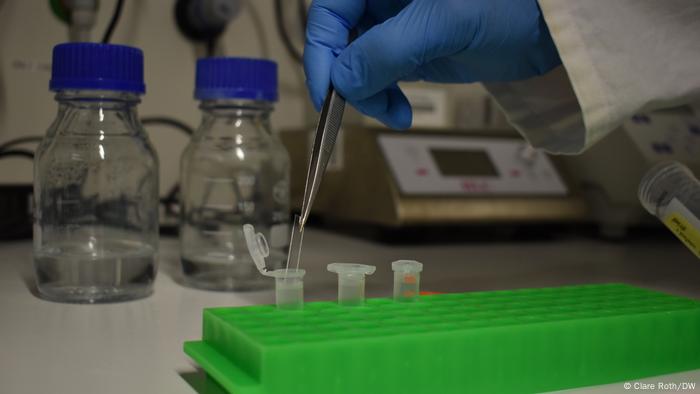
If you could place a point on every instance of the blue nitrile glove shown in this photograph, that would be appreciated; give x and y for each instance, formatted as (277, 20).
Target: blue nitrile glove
(432, 40)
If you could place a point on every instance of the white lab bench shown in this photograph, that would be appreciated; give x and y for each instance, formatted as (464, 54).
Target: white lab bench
(136, 347)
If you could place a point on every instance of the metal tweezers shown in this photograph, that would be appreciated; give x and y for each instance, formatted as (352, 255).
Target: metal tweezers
(326, 133)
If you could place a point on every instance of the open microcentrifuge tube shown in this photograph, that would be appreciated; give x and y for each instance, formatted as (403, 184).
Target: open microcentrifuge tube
(406, 279)
(351, 282)
(289, 288)
(289, 283)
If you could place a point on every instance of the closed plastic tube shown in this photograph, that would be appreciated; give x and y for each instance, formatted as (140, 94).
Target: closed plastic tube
(351, 282)
(406, 279)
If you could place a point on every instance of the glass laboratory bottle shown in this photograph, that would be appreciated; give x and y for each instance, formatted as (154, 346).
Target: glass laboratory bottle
(670, 192)
(96, 181)
(234, 171)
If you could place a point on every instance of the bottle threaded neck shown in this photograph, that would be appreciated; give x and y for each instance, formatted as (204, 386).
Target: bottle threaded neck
(236, 104)
(97, 96)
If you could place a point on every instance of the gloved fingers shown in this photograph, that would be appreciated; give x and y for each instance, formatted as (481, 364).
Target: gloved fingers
(377, 11)
(381, 10)
(384, 54)
(415, 75)
(452, 70)
(390, 106)
(366, 22)
(329, 22)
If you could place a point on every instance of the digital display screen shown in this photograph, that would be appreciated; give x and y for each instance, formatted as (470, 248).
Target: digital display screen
(458, 162)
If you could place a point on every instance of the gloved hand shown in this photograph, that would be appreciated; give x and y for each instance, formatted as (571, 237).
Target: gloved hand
(431, 40)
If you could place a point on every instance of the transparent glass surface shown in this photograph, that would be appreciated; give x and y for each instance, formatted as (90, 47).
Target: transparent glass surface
(234, 171)
(96, 201)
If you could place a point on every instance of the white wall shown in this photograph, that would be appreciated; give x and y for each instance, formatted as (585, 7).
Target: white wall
(29, 30)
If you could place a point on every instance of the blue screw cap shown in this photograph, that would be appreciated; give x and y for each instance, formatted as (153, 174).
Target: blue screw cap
(93, 66)
(236, 78)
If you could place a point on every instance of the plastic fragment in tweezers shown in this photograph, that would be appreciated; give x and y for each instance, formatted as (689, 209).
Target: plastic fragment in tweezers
(295, 243)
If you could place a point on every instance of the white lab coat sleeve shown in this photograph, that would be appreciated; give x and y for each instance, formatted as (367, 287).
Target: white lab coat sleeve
(620, 57)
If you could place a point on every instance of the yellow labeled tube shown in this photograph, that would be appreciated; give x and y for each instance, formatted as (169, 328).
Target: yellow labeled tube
(670, 192)
(684, 224)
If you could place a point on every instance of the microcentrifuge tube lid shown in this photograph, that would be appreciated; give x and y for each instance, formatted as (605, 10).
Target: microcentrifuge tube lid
(351, 269)
(406, 266)
(257, 247)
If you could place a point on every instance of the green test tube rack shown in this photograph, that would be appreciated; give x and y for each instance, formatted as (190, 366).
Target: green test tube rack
(515, 341)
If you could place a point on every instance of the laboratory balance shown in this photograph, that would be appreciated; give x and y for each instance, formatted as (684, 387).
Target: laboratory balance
(435, 177)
